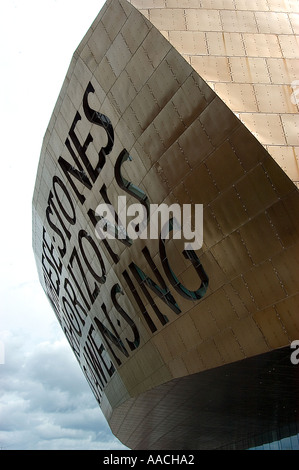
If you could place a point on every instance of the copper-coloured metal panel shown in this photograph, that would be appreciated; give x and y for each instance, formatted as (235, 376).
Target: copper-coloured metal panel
(177, 348)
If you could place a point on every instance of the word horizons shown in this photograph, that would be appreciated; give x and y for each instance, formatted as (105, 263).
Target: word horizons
(100, 331)
(146, 224)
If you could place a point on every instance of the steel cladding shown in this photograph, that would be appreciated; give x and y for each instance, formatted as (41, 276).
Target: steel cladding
(134, 118)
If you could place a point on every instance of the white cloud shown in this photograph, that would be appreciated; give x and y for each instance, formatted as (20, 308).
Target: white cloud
(46, 403)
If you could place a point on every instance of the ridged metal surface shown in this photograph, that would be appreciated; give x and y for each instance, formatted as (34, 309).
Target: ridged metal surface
(187, 146)
(248, 52)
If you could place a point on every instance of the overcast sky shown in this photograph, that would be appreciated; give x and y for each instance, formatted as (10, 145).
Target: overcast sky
(45, 401)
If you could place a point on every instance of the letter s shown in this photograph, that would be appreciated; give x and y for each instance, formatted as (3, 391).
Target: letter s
(101, 120)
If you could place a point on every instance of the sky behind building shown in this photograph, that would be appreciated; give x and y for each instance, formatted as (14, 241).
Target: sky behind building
(45, 401)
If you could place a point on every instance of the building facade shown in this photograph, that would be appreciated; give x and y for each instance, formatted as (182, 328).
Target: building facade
(179, 103)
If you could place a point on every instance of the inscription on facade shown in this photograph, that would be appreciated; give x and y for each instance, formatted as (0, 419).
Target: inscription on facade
(74, 262)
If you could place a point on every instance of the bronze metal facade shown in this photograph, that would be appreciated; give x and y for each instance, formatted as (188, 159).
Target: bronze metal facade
(247, 51)
(182, 352)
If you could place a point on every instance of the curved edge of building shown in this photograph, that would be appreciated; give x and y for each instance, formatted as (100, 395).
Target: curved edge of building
(191, 347)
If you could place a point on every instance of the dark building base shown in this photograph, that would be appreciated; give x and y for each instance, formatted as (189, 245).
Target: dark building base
(236, 406)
